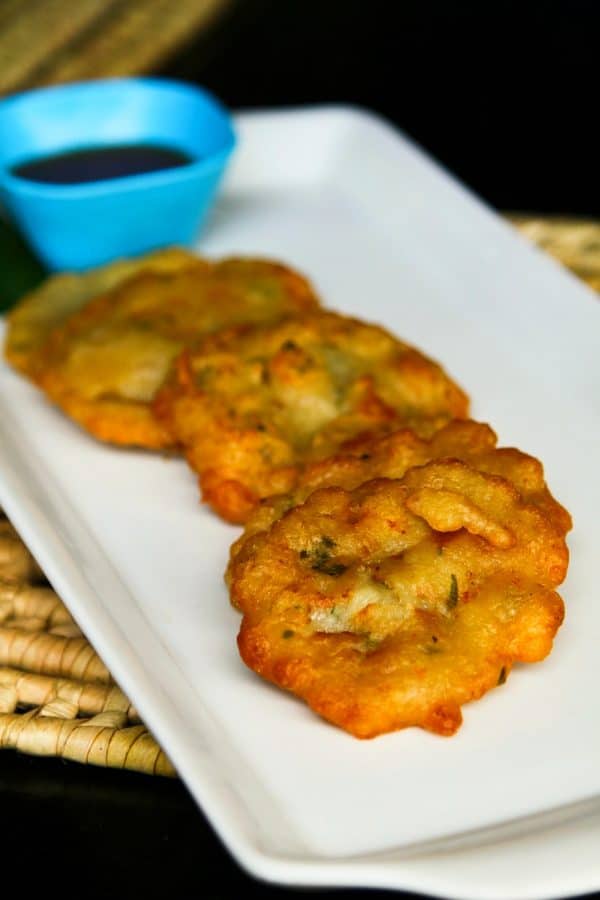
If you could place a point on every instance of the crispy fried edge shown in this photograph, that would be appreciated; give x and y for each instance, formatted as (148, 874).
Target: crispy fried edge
(35, 316)
(235, 500)
(362, 716)
(478, 450)
(127, 423)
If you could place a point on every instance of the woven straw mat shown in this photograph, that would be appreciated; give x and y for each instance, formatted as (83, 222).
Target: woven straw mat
(45, 42)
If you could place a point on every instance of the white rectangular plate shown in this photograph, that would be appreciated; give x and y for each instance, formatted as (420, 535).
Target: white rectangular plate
(387, 236)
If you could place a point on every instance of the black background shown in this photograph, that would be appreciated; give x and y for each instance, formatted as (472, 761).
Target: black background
(504, 94)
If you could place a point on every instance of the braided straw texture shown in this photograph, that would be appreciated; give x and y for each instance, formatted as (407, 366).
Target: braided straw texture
(57, 698)
(573, 242)
(45, 42)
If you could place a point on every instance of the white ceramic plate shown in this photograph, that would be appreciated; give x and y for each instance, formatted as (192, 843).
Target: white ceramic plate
(385, 235)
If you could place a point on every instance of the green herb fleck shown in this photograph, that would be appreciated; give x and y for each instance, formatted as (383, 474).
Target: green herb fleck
(453, 595)
(502, 675)
(371, 644)
(288, 633)
(289, 345)
(320, 557)
(204, 375)
(330, 568)
(322, 552)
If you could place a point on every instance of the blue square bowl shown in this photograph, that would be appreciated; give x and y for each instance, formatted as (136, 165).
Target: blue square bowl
(75, 226)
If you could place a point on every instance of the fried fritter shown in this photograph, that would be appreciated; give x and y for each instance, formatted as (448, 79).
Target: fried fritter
(104, 364)
(392, 455)
(250, 406)
(59, 296)
(395, 603)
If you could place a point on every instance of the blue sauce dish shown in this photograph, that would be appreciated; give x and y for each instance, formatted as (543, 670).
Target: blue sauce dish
(174, 140)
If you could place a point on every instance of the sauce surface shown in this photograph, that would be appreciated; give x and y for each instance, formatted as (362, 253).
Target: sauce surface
(100, 163)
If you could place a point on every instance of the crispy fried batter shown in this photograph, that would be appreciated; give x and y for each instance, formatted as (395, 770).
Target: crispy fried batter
(104, 364)
(395, 603)
(249, 406)
(392, 455)
(59, 296)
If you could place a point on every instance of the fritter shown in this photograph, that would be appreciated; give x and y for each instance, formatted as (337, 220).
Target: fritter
(392, 455)
(104, 364)
(250, 406)
(30, 322)
(395, 603)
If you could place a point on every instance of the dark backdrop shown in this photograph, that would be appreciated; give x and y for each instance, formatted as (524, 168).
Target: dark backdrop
(503, 93)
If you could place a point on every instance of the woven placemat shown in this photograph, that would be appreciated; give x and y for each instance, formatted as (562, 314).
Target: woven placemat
(573, 242)
(45, 42)
(57, 698)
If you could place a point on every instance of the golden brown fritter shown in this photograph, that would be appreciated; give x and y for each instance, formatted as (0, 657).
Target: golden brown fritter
(59, 296)
(395, 603)
(251, 405)
(392, 455)
(104, 364)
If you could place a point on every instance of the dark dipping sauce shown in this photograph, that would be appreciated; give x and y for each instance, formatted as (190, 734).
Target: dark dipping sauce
(100, 164)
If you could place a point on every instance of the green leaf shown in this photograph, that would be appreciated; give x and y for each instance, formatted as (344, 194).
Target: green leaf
(20, 271)
(453, 595)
